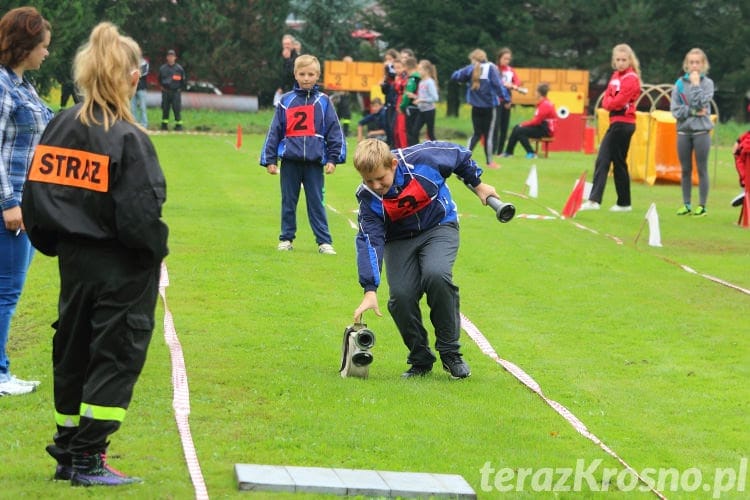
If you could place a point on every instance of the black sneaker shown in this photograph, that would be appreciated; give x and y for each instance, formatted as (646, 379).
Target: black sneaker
(93, 470)
(64, 469)
(164, 126)
(454, 364)
(416, 371)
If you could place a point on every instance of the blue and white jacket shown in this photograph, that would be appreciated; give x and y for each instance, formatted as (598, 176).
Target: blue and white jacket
(305, 128)
(418, 200)
(491, 89)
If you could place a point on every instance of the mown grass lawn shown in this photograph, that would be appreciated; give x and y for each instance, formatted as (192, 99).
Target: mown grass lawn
(653, 359)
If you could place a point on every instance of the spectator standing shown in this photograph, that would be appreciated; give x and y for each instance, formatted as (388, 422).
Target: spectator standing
(109, 239)
(691, 107)
(483, 93)
(511, 81)
(408, 105)
(427, 96)
(24, 38)
(172, 79)
(138, 103)
(619, 99)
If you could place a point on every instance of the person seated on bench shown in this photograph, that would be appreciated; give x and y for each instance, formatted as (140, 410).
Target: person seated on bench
(541, 125)
(741, 152)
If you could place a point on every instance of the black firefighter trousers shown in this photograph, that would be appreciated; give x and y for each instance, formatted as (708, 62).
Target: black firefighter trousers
(104, 327)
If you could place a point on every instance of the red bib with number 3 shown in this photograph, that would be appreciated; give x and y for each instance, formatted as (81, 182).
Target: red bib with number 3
(408, 202)
(300, 121)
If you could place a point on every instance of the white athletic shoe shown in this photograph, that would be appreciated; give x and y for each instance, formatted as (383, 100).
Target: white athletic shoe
(590, 205)
(13, 388)
(738, 200)
(284, 246)
(326, 248)
(620, 208)
(17, 380)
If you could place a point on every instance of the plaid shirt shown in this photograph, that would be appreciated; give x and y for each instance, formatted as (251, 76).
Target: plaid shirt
(23, 117)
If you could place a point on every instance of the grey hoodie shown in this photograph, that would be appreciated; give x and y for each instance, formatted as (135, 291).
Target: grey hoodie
(687, 100)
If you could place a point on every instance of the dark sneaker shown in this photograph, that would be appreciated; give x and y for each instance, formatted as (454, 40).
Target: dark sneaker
(416, 371)
(178, 127)
(93, 470)
(164, 126)
(64, 469)
(454, 364)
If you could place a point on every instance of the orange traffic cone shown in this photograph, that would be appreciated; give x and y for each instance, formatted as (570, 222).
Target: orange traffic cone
(238, 145)
(575, 199)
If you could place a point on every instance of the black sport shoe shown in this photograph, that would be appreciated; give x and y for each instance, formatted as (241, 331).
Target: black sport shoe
(93, 470)
(416, 371)
(454, 364)
(64, 469)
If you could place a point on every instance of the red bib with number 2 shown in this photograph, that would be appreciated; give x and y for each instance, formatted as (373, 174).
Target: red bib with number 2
(300, 121)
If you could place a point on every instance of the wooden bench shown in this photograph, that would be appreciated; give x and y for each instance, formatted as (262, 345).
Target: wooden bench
(544, 141)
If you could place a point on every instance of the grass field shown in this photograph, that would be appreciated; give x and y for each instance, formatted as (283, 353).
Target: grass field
(651, 358)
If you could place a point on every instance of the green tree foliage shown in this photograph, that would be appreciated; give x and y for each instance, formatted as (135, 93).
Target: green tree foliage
(237, 42)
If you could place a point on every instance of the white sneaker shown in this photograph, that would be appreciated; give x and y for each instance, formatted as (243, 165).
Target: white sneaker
(590, 205)
(738, 200)
(13, 388)
(284, 246)
(18, 381)
(620, 208)
(326, 248)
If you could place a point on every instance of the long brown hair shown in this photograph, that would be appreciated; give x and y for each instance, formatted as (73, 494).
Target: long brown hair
(477, 58)
(21, 30)
(103, 70)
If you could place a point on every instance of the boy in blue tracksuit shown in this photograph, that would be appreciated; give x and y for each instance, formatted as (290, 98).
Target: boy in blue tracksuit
(407, 217)
(306, 135)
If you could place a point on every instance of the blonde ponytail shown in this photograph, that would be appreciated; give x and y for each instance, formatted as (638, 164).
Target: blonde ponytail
(103, 71)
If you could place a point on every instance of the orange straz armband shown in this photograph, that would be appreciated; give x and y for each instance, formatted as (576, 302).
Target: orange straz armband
(300, 121)
(70, 167)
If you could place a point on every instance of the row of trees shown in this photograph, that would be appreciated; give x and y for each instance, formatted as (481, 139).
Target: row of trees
(238, 42)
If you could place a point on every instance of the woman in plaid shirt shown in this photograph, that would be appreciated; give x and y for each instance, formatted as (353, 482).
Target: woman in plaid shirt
(24, 38)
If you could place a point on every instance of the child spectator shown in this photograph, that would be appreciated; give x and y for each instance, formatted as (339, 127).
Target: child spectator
(427, 96)
(540, 125)
(408, 106)
(375, 121)
(511, 81)
(691, 107)
(408, 218)
(741, 153)
(483, 93)
(306, 135)
(389, 92)
(623, 90)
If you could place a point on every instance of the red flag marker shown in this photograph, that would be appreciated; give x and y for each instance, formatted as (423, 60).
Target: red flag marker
(239, 137)
(575, 199)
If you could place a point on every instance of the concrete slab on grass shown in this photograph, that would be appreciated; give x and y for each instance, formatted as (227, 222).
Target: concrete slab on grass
(351, 482)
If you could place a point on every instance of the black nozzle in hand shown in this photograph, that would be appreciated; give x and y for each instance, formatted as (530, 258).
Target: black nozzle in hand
(503, 211)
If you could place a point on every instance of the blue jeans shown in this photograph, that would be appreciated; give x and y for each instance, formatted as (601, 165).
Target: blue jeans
(15, 256)
(138, 105)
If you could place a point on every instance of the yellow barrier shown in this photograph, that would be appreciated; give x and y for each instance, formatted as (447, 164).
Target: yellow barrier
(653, 149)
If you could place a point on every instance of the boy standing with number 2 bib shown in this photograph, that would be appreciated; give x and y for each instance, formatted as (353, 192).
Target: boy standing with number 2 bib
(305, 134)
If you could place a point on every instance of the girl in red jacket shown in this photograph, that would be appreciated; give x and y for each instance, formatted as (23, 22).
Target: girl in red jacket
(623, 90)
(540, 125)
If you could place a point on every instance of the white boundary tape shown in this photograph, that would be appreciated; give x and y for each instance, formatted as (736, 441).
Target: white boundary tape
(181, 392)
(529, 382)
